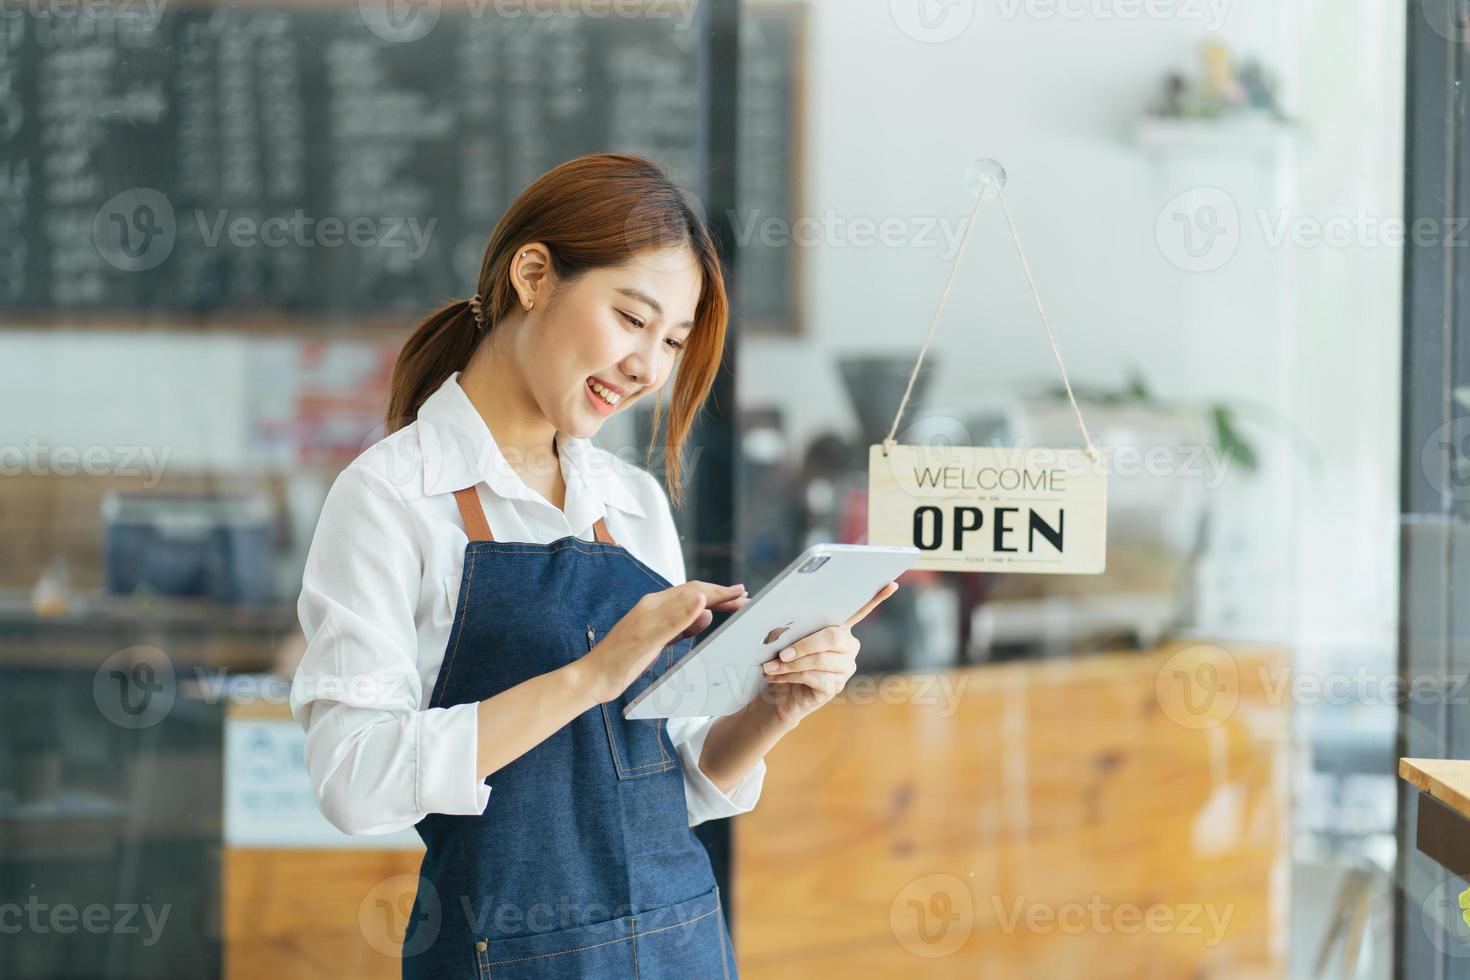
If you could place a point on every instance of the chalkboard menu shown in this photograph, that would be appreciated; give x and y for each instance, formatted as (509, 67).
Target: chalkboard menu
(768, 182)
(305, 160)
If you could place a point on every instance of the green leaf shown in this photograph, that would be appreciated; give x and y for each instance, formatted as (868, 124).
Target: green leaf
(1232, 443)
(1138, 387)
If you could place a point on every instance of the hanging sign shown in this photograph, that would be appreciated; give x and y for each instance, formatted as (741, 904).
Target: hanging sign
(973, 509)
(990, 510)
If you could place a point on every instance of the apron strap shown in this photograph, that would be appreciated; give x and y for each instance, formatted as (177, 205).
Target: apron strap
(478, 529)
(475, 526)
(600, 530)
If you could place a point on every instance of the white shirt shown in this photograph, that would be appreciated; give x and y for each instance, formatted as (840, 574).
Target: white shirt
(377, 603)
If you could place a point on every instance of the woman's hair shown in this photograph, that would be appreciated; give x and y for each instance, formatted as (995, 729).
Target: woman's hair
(591, 212)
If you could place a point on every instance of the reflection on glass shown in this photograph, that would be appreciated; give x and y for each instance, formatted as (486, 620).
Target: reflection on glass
(217, 224)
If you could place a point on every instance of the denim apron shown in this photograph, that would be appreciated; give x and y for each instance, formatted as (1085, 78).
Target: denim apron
(583, 864)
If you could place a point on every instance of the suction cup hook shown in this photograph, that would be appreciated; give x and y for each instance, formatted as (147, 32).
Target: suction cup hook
(985, 173)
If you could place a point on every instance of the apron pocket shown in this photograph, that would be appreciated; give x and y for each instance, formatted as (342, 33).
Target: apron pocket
(638, 745)
(595, 952)
(687, 939)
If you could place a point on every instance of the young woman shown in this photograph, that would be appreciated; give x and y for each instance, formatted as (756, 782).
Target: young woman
(485, 590)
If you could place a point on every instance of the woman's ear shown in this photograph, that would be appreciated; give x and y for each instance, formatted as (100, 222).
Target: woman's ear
(530, 272)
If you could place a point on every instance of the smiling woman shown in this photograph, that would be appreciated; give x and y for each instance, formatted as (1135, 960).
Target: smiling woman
(467, 583)
(597, 281)
(599, 242)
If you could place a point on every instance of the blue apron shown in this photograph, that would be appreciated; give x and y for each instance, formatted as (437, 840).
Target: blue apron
(583, 864)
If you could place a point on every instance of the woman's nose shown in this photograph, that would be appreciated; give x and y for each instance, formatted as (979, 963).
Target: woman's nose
(634, 371)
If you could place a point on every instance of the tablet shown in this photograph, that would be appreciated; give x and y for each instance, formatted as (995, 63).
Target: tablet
(822, 588)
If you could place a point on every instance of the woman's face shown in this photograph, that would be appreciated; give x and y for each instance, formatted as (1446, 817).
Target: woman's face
(610, 338)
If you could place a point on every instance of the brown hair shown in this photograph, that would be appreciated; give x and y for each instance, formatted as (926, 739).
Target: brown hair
(591, 212)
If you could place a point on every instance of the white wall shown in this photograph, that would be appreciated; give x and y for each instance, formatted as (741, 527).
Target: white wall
(1346, 337)
(892, 124)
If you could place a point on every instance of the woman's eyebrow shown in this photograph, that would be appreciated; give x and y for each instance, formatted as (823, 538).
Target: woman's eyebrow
(643, 297)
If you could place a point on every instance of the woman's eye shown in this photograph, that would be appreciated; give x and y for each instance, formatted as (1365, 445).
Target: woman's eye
(677, 345)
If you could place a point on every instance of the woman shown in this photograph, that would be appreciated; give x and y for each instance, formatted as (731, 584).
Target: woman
(486, 590)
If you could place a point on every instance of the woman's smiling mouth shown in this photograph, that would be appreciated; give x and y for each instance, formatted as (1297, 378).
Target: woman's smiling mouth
(604, 398)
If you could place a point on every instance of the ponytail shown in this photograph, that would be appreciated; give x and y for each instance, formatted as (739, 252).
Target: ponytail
(440, 346)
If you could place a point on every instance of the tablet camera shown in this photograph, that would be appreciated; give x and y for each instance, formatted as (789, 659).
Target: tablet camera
(812, 564)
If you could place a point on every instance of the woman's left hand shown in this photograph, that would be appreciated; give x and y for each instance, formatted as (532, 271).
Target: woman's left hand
(810, 672)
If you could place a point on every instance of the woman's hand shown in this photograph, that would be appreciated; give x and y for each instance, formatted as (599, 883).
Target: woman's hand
(655, 621)
(810, 672)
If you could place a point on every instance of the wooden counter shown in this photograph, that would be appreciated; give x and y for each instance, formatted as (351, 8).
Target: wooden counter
(1446, 780)
(1442, 827)
(305, 914)
(914, 835)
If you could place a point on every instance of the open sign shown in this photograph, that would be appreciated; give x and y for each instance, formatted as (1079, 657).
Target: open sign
(970, 509)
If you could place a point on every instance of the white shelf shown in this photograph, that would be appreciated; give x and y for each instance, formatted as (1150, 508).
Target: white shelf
(1249, 135)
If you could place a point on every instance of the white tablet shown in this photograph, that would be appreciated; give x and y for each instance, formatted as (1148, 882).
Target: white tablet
(822, 588)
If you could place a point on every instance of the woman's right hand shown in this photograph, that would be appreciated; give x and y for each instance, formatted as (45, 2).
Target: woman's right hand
(655, 621)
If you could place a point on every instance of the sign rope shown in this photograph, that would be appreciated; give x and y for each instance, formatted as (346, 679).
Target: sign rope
(985, 187)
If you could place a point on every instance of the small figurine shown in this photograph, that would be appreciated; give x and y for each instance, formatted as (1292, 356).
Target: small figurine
(1171, 105)
(1260, 87)
(1221, 86)
(1221, 90)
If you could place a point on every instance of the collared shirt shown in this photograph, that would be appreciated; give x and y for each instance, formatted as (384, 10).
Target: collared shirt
(378, 598)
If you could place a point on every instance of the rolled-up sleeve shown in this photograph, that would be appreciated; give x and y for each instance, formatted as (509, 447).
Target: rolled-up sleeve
(705, 800)
(378, 761)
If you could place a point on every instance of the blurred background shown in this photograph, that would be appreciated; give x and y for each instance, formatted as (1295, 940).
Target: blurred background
(219, 222)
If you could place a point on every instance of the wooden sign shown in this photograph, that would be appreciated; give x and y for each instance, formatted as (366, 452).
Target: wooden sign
(970, 509)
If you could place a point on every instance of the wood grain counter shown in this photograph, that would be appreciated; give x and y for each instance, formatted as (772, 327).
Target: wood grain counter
(1442, 821)
(1028, 823)
(1446, 780)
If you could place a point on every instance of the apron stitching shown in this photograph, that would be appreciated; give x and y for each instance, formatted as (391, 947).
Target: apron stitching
(633, 920)
(659, 737)
(676, 925)
(443, 684)
(561, 952)
(623, 553)
(611, 742)
(720, 929)
(610, 942)
(580, 546)
(612, 745)
(663, 764)
(659, 766)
